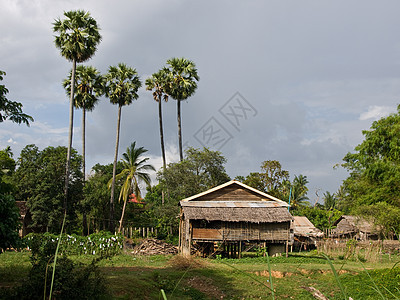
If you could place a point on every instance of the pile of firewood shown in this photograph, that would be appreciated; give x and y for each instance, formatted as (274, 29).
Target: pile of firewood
(154, 247)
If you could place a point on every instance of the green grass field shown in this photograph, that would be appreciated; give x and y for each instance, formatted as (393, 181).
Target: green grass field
(143, 277)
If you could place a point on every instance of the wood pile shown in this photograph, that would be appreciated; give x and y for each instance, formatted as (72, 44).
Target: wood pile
(154, 247)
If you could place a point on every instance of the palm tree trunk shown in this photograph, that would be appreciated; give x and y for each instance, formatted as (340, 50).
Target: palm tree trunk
(111, 222)
(84, 220)
(162, 144)
(122, 216)
(180, 131)
(71, 128)
(161, 133)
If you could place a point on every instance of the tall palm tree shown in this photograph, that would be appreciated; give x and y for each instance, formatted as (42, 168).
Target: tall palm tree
(158, 82)
(77, 38)
(122, 85)
(299, 191)
(90, 87)
(134, 171)
(182, 84)
(89, 84)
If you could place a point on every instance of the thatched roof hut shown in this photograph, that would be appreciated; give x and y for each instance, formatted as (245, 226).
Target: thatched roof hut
(233, 212)
(354, 227)
(305, 233)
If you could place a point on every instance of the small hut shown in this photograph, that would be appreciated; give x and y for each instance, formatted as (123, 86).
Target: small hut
(306, 234)
(354, 227)
(229, 215)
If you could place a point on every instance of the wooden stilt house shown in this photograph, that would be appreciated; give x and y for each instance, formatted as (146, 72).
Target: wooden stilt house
(232, 214)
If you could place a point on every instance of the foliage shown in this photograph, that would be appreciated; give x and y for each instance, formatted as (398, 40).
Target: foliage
(386, 217)
(9, 223)
(11, 110)
(102, 244)
(89, 87)
(320, 217)
(72, 280)
(122, 84)
(39, 180)
(198, 172)
(97, 196)
(7, 169)
(134, 172)
(78, 35)
(375, 165)
(329, 200)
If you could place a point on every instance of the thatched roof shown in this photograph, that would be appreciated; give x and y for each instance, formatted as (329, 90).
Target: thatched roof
(302, 226)
(234, 191)
(348, 224)
(238, 212)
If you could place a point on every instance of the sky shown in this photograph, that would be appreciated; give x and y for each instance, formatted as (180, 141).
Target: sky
(293, 81)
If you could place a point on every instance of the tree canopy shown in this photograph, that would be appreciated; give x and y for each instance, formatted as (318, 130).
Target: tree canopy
(11, 110)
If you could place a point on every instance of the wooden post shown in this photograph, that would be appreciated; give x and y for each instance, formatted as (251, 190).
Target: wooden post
(287, 248)
(240, 249)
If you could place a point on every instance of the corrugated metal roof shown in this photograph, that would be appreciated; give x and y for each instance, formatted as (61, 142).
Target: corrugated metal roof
(239, 204)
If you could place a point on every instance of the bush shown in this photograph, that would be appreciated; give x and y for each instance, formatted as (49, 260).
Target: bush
(71, 281)
(103, 243)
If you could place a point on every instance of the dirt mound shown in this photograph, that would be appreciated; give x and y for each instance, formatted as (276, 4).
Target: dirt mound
(154, 247)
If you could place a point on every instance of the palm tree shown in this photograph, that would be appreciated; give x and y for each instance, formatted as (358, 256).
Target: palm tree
(182, 84)
(299, 191)
(134, 171)
(77, 39)
(122, 85)
(157, 82)
(90, 87)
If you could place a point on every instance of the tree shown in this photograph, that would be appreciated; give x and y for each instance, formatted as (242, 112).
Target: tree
(134, 171)
(11, 110)
(90, 87)
(122, 86)
(39, 180)
(97, 196)
(89, 84)
(9, 212)
(157, 82)
(182, 84)
(198, 172)
(78, 38)
(329, 201)
(375, 166)
(9, 223)
(273, 176)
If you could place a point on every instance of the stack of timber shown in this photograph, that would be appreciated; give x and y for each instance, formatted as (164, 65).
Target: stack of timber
(154, 247)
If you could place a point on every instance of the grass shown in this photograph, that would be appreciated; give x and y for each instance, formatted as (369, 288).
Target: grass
(140, 277)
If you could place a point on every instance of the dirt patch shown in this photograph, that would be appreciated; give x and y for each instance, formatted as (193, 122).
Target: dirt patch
(205, 285)
(275, 274)
(182, 263)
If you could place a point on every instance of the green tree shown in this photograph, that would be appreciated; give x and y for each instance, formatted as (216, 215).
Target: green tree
(77, 38)
(254, 180)
(298, 191)
(182, 79)
(198, 172)
(9, 222)
(11, 110)
(134, 172)
(157, 83)
(97, 196)
(329, 201)
(375, 165)
(39, 181)
(89, 87)
(89, 84)
(122, 88)
(9, 212)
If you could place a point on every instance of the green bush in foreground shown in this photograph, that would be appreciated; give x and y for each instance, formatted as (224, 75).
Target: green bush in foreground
(72, 280)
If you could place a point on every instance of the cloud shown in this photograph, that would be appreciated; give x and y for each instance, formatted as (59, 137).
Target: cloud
(376, 112)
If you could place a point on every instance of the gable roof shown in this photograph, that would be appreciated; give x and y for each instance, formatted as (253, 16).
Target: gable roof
(303, 226)
(352, 224)
(263, 197)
